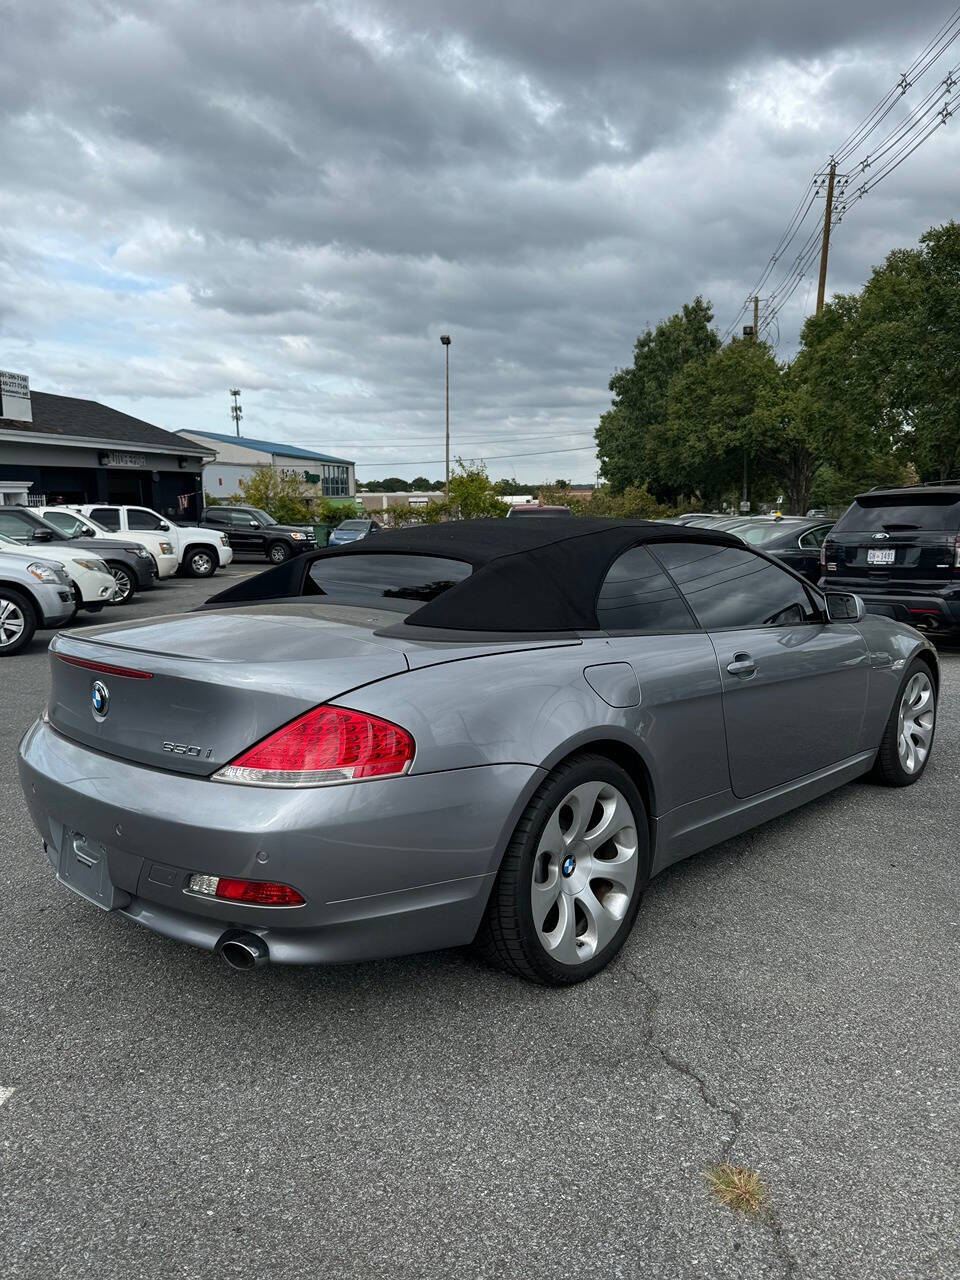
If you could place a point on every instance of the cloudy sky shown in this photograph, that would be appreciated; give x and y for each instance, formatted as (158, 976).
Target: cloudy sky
(298, 199)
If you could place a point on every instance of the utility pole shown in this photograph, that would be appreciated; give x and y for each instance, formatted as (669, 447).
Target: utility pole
(756, 318)
(445, 339)
(825, 249)
(236, 413)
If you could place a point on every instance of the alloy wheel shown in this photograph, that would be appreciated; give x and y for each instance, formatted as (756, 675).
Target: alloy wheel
(201, 564)
(584, 872)
(124, 585)
(12, 623)
(915, 722)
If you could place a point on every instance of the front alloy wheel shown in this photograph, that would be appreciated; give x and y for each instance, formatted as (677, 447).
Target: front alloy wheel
(279, 552)
(571, 880)
(125, 585)
(17, 623)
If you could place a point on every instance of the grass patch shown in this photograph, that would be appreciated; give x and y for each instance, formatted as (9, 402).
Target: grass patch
(737, 1188)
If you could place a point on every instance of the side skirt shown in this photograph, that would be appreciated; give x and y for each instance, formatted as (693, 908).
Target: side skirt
(705, 822)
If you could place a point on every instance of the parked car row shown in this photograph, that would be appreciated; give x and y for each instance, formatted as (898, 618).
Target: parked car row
(55, 561)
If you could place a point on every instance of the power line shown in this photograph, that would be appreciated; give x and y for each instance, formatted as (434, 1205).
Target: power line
(892, 150)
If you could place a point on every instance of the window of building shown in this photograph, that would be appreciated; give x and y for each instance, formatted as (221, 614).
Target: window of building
(335, 481)
(638, 596)
(731, 588)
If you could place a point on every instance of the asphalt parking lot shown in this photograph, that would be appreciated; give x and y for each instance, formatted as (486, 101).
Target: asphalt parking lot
(789, 1000)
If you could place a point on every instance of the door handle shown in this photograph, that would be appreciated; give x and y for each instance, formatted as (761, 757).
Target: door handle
(742, 665)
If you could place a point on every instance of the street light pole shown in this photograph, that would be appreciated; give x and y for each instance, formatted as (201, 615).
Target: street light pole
(236, 413)
(445, 339)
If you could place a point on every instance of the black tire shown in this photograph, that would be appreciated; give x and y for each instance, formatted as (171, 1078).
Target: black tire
(126, 584)
(508, 937)
(18, 621)
(890, 769)
(278, 552)
(200, 562)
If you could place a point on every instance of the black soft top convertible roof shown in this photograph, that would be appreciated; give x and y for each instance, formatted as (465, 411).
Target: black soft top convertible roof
(536, 575)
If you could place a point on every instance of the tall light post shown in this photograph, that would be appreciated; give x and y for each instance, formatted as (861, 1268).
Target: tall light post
(236, 413)
(445, 339)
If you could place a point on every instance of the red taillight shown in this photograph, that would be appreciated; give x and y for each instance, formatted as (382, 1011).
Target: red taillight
(328, 744)
(255, 893)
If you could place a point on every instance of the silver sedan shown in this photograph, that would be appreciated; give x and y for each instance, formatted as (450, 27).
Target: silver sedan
(490, 732)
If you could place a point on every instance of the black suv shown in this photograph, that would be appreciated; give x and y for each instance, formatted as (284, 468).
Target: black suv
(251, 532)
(900, 550)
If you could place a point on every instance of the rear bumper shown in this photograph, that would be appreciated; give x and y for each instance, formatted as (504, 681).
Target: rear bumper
(386, 867)
(900, 601)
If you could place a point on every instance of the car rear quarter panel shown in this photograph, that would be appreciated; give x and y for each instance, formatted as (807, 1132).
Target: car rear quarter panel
(893, 646)
(536, 707)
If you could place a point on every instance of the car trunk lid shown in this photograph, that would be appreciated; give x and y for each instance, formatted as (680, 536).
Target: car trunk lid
(188, 693)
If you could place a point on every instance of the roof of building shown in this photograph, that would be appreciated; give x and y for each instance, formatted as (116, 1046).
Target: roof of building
(273, 447)
(69, 418)
(529, 576)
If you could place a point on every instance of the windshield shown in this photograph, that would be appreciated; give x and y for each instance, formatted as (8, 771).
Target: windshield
(71, 525)
(889, 513)
(398, 582)
(353, 524)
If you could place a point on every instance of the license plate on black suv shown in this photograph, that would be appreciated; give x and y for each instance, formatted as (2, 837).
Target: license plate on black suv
(885, 555)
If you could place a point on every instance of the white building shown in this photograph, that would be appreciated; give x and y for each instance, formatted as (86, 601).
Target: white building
(239, 456)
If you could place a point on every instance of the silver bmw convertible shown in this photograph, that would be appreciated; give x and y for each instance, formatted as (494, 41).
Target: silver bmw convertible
(491, 732)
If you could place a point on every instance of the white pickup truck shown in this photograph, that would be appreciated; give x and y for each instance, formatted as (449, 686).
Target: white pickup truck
(200, 552)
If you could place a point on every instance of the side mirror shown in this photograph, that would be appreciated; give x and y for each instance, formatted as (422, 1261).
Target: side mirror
(164, 526)
(254, 525)
(844, 607)
(41, 535)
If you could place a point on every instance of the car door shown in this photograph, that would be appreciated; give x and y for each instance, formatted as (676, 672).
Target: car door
(794, 684)
(675, 686)
(246, 533)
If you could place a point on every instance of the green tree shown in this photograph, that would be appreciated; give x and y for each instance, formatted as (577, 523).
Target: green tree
(723, 423)
(907, 339)
(626, 432)
(471, 494)
(278, 492)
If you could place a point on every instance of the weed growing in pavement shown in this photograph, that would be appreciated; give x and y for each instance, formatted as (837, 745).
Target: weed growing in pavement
(736, 1187)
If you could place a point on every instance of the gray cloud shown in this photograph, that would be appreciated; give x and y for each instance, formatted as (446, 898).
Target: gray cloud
(299, 198)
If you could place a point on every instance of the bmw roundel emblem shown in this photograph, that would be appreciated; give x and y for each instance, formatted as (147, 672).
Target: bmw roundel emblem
(99, 699)
(569, 865)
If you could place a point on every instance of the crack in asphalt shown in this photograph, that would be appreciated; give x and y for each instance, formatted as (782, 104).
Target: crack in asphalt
(734, 1115)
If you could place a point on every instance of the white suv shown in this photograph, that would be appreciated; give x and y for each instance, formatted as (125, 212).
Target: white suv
(200, 552)
(69, 521)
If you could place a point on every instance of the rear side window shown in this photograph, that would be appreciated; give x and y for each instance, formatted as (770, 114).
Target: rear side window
(638, 596)
(939, 512)
(397, 582)
(108, 517)
(728, 588)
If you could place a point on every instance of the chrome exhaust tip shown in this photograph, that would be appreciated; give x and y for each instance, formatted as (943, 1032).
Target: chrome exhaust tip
(243, 950)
